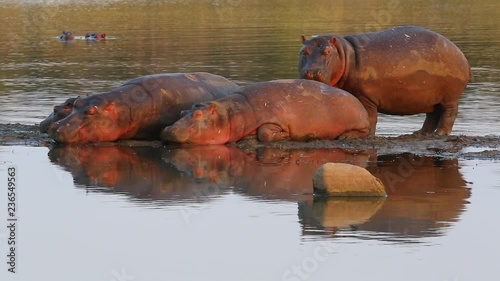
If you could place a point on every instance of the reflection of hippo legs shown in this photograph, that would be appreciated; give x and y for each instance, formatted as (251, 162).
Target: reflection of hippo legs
(60, 111)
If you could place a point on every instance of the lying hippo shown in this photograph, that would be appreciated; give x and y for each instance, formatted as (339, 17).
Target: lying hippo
(297, 110)
(60, 111)
(402, 71)
(138, 109)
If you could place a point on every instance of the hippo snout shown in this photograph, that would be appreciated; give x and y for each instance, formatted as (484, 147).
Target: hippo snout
(172, 134)
(62, 132)
(315, 74)
(45, 124)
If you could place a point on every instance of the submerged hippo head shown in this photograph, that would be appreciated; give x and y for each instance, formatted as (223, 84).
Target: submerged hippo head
(60, 111)
(206, 123)
(321, 58)
(93, 119)
(67, 35)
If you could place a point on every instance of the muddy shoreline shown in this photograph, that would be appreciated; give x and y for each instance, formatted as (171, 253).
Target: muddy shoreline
(454, 146)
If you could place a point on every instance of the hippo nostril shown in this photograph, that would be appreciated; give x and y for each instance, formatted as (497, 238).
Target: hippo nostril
(309, 74)
(319, 73)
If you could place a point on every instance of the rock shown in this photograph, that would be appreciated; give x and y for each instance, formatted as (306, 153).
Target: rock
(339, 179)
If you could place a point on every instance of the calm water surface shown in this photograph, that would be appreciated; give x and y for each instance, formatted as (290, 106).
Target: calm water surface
(218, 213)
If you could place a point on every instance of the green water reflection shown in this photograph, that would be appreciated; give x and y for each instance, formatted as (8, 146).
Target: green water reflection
(246, 41)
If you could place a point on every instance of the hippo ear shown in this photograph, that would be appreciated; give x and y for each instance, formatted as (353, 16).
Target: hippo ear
(213, 108)
(110, 107)
(333, 40)
(303, 38)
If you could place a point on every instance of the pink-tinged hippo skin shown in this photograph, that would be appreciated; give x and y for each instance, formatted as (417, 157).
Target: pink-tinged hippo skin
(289, 109)
(60, 111)
(401, 71)
(139, 109)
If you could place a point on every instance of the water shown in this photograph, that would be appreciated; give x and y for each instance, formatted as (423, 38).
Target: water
(218, 213)
(221, 214)
(247, 41)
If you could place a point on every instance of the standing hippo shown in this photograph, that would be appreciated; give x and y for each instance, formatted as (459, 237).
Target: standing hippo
(138, 109)
(401, 71)
(60, 111)
(296, 110)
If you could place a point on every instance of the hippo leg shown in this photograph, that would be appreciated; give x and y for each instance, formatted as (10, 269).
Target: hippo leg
(431, 122)
(371, 109)
(447, 119)
(271, 132)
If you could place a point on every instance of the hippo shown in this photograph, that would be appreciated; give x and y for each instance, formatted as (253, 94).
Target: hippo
(289, 109)
(400, 71)
(139, 109)
(95, 36)
(67, 35)
(60, 111)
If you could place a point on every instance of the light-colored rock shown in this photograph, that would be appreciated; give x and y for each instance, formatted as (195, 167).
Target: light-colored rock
(339, 179)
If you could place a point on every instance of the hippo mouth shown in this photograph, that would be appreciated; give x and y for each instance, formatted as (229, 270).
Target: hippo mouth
(315, 74)
(173, 135)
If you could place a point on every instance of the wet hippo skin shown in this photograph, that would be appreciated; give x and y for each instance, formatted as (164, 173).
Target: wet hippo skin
(401, 71)
(288, 109)
(138, 109)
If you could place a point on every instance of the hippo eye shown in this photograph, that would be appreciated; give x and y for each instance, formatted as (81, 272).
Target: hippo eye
(326, 51)
(305, 52)
(91, 110)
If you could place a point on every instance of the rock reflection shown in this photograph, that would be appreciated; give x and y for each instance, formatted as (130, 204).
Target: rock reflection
(425, 196)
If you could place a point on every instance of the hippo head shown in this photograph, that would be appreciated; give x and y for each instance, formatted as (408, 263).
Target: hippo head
(205, 123)
(60, 111)
(321, 58)
(67, 35)
(93, 119)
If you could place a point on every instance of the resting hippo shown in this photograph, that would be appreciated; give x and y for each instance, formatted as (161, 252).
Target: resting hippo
(138, 109)
(297, 110)
(60, 111)
(401, 71)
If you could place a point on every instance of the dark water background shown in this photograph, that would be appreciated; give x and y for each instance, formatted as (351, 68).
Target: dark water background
(218, 213)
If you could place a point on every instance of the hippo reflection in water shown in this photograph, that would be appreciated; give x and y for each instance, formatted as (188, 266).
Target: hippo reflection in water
(138, 172)
(269, 173)
(425, 195)
(165, 172)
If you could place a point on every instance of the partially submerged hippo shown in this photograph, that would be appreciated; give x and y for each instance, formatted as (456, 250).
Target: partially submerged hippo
(67, 35)
(401, 71)
(138, 109)
(60, 111)
(95, 36)
(297, 110)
